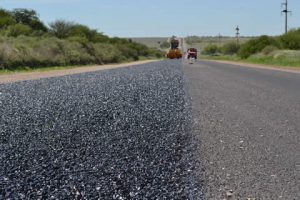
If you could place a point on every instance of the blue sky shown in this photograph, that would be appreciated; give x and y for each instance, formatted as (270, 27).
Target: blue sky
(138, 18)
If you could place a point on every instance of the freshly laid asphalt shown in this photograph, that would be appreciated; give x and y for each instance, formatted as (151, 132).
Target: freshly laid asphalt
(163, 130)
(116, 134)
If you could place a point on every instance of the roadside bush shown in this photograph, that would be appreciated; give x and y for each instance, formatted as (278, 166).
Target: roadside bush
(26, 51)
(291, 40)
(211, 50)
(141, 49)
(129, 53)
(268, 50)
(28, 17)
(6, 18)
(75, 53)
(153, 52)
(18, 29)
(230, 48)
(256, 45)
(165, 45)
(106, 53)
(26, 42)
(78, 30)
(61, 28)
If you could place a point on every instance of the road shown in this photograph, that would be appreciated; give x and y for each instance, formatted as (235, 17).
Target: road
(163, 130)
(248, 121)
(116, 134)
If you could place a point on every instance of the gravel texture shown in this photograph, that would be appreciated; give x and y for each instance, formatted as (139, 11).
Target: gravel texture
(117, 134)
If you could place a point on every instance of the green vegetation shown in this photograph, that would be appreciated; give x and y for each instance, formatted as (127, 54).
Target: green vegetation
(202, 42)
(25, 42)
(256, 45)
(165, 45)
(281, 50)
(211, 49)
(230, 48)
(152, 42)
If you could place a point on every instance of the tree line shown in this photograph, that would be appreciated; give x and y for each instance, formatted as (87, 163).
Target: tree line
(25, 41)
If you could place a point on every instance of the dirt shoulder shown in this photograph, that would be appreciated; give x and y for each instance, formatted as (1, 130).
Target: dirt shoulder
(23, 76)
(261, 66)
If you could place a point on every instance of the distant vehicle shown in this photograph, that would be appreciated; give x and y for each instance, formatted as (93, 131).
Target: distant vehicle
(192, 53)
(174, 52)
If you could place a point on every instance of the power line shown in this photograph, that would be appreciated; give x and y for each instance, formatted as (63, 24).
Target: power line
(286, 11)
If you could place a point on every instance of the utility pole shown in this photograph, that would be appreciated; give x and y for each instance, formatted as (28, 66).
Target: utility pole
(286, 11)
(237, 35)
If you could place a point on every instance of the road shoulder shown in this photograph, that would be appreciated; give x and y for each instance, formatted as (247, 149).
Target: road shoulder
(23, 76)
(260, 66)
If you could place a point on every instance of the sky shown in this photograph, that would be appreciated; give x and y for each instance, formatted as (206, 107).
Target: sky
(160, 18)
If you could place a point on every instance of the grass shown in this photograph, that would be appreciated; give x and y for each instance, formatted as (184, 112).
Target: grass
(275, 59)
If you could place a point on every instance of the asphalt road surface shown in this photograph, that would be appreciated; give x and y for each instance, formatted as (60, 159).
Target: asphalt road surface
(164, 130)
(116, 134)
(248, 122)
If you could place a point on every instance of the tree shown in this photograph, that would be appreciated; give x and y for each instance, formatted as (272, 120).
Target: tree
(61, 28)
(28, 17)
(6, 18)
(24, 16)
(38, 25)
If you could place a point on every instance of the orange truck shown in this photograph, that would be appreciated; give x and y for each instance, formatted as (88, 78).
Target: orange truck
(174, 52)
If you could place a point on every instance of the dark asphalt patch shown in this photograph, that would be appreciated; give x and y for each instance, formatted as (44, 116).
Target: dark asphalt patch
(117, 134)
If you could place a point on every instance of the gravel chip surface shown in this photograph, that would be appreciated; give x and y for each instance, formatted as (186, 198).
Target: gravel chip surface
(117, 134)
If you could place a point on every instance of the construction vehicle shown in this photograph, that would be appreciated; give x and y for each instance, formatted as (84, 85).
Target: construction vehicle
(192, 53)
(174, 52)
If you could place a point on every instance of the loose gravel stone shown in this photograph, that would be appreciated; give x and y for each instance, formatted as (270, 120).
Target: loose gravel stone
(116, 134)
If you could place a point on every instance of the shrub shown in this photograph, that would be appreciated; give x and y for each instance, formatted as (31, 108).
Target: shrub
(256, 45)
(269, 49)
(211, 50)
(75, 53)
(165, 45)
(28, 17)
(61, 28)
(230, 48)
(78, 30)
(106, 53)
(38, 26)
(129, 53)
(6, 18)
(153, 52)
(26, 42)
(19, 29)
(291, 40)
